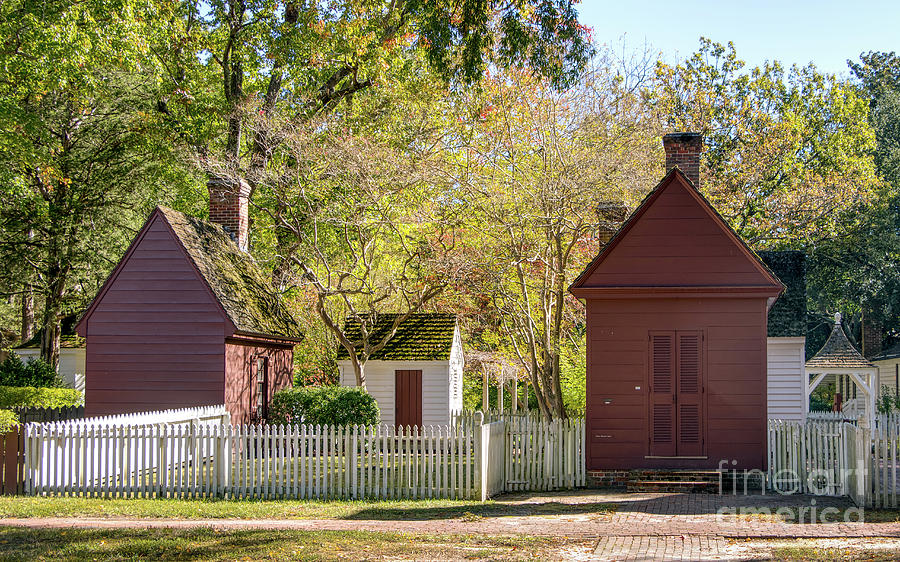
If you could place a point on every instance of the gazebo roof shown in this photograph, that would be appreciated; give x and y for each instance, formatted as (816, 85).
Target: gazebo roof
(838, 352)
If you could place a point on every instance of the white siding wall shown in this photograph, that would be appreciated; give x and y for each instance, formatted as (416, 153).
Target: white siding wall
(786, 378)
(380, 384)
(887, 374)
(71, 363)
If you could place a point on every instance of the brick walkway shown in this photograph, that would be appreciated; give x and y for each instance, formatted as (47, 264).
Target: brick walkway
(690, 547)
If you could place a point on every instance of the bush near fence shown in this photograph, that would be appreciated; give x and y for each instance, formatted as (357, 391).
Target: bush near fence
(8, 420)
(29, 396)
(331, 405)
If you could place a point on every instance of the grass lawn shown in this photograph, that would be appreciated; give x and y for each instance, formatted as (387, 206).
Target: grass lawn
(209, 544)
(20, 507)
(811, 553)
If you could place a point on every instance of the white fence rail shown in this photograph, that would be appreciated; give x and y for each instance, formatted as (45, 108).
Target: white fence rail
(213, 414)
(202, 457)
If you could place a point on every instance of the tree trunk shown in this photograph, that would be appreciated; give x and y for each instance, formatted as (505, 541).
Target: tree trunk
(51, 333)
(359, 369)
(27, 313)
(28, 301)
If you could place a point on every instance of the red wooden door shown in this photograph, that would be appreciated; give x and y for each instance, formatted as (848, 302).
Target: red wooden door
(662, 394)
(408, 398)
(676, 393)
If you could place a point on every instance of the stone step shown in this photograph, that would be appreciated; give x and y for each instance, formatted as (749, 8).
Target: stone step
(682, 486)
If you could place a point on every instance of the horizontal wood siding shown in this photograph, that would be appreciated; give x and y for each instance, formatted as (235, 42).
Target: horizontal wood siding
(786, 378)
(239, 357)
(676, 243)
(380, 384)
(156, 339)
(887, 375)
(618, 384)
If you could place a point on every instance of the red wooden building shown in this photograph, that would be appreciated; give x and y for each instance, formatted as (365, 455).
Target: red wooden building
(187, 318)
(676, 333)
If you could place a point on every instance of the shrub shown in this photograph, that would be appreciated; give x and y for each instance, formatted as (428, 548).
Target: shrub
(7, 420)
(36, 373)
(331, 405)
(27, 396)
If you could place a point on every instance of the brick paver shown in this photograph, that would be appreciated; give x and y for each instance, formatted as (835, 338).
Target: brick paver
(689, 547)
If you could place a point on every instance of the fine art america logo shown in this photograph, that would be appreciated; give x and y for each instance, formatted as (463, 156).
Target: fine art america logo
(787, 482)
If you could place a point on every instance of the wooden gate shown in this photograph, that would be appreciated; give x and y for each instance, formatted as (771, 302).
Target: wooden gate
(13, 470)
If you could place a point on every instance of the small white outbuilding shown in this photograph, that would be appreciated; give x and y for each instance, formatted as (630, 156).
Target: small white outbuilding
(71, 357)
(417, 377)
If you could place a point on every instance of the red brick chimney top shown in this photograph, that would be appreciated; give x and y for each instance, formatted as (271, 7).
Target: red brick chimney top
(683, 150)
(229, 206)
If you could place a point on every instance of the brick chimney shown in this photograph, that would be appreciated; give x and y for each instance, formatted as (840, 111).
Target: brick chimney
(871, 336)
(683, 150)
(611, 214)
(228, 206)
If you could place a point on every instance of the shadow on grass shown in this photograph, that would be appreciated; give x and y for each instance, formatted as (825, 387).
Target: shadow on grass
(478, 510)
(211, 544)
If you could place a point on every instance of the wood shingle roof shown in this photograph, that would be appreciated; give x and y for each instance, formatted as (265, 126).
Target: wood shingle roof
(838, 352)
(787, 317)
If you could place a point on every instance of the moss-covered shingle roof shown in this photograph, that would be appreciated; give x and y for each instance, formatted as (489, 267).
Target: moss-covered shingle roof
(787, 317)
(421, 337)
(234, 277)
(68, 338)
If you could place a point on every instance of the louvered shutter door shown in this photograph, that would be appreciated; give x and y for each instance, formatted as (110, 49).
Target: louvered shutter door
(689, 402)
(662, 394)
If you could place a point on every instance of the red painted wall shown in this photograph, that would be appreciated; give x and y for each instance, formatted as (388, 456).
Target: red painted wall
(675, 243)
(618, 371)
(676, 266)
(156, 339)
(240, 372)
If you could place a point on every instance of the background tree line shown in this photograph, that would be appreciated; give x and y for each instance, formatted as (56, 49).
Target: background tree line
(409, 156)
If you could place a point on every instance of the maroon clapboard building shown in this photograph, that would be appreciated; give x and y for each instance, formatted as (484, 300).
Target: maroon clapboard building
(676, 334)
(187, 318)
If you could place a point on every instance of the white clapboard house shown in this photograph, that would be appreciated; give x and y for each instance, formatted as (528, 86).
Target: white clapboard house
(417, 377)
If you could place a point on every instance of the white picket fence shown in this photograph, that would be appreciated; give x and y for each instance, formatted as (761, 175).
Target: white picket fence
(808, 458)
(545, 456)
(202, 459)
(826, 457)
(112, 448)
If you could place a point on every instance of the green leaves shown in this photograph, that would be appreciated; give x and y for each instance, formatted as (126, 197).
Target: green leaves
(789, 152)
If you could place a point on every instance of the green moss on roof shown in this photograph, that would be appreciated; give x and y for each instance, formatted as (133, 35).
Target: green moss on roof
(787, 317)
(234, 277)
(68, 339)
(421, 337)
